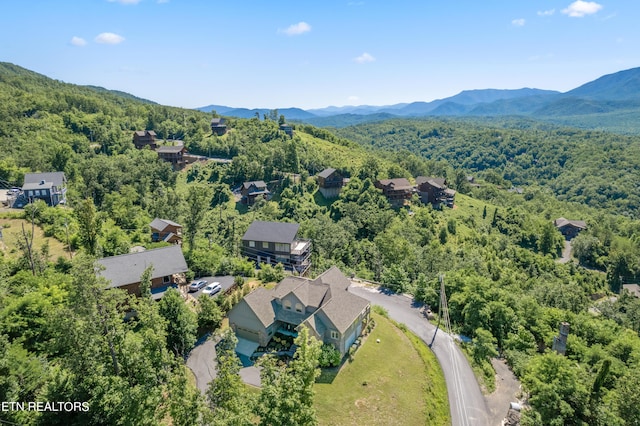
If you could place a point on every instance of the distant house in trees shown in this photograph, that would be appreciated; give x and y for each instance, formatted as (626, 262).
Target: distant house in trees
(166, 230)
(276, 242)
(49, 187)
(435, 191)
(332, 314)
(252, 190)
(569, 228)
(330, 182)
(287, 129)
(142, 138)
(398, 191)
(173, 154)
(125, 271)
(218, 126)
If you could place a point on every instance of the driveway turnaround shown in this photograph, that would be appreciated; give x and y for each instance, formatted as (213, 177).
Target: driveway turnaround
(467, 404)
(202, 361)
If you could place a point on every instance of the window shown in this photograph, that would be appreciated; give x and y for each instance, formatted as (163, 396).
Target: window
(37, 192)
(287, 304)
(265, 244)
(283, 247)
(252, 243)
(298, 307)
(166, 279)
(334, 335)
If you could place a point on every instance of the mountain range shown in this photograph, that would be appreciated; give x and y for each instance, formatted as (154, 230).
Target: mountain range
(611, 102)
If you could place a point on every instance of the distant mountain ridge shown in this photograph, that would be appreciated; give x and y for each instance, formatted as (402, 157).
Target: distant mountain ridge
(609, 102)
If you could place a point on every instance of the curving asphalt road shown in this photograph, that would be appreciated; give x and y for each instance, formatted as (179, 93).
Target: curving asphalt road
(467, 404)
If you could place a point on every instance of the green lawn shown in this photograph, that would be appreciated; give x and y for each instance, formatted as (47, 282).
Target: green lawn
(12, 232)
(388, 383)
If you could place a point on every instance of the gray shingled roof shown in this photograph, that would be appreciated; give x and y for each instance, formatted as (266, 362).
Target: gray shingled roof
(329, 291)
(560, 222)
(397, 183)
(161, 224)
(37, 185)
(128, 268)
(173, 149)
(343, 308)
(438, 182)
(326, 172)
(258, 184)
(260, 302)
(57, 178)
(275, 232)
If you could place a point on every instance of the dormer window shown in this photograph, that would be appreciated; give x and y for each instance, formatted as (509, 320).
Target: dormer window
(298, 307)
(286, 304)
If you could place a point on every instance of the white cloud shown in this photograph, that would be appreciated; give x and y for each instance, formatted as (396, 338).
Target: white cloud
(546, 12)
(352, 98)
(364, 58)
(518, 22)
(580, 8)
(78, 41)
(109, 38)
(296, 29)
(125, 1)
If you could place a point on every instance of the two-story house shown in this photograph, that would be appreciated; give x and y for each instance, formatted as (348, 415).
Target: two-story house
(143, 138)
(166, 230)
(434, 190)
(173, 154)
(277, 242)
(218, 126)
(124, 271)
(49, 187)
(330, 182)
(252, 190)
(324, 306)
(398, 191)
(287, 129)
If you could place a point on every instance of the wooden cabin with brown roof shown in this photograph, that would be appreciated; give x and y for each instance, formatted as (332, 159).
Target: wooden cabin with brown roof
(143, 138)
(173, 154)
(330, 182)
(218, 126)
(253, 190)
(434, 190)
(569, 228)
(398, 191)
(166, 230)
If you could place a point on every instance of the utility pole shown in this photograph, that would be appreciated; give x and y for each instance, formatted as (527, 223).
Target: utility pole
(443, 311)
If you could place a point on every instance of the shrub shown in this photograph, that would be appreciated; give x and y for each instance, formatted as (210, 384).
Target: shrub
(380, 311)
(329, 356)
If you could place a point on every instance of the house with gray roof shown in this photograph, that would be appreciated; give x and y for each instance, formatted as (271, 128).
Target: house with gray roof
(50, 187)
(323, 305)
(569, 228)
(277, 242)
(434, 190)
(124, 271)
(174, 154)
(252, 190)
(398, 190)
(218, 126)
(166, 230)
(330, 182)
(144, 138)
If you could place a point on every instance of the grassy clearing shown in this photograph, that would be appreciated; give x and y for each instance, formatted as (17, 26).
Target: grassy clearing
(12, 233)
(392, 382)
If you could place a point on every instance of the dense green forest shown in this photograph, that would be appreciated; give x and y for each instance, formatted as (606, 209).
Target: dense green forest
(64, 339)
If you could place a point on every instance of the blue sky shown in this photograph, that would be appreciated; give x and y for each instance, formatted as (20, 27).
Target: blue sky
(312, 54)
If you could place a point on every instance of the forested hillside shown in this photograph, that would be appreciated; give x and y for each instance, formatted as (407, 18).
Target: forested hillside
(63, 338)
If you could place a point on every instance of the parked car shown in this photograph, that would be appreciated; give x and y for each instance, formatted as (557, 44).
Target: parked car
(197, 285)
(212, 289)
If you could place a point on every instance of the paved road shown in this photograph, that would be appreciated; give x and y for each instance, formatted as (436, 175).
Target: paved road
(467, 404)
(202, 361)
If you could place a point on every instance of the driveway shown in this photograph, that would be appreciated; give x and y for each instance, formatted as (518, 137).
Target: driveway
(226, 281)
(467, 404)
(566, 253)
(202, 361)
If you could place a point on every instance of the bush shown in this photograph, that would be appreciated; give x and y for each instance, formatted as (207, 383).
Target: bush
(329, 356)
(209, 314)
(269, 274)
(380, 311)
